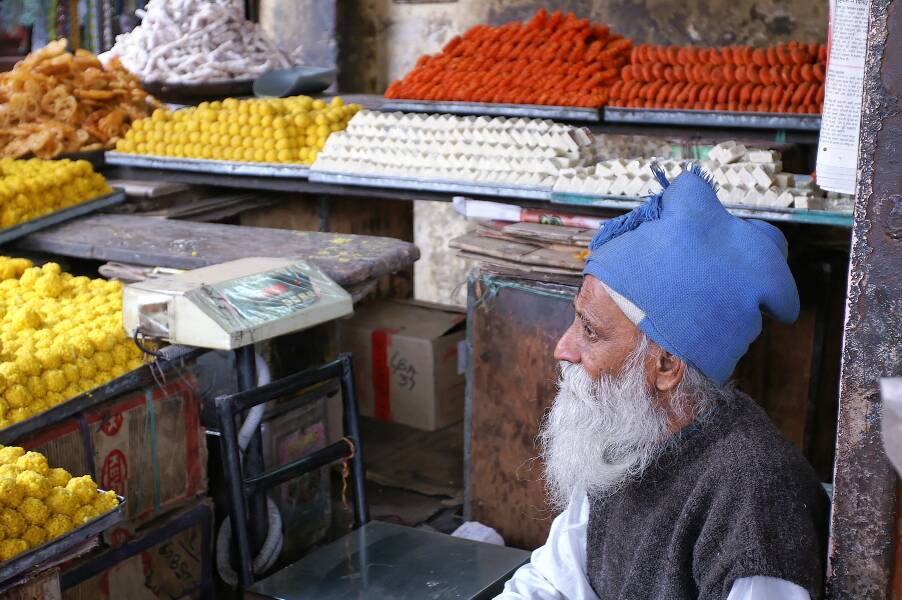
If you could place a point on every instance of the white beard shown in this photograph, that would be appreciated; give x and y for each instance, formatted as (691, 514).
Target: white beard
(600, 434)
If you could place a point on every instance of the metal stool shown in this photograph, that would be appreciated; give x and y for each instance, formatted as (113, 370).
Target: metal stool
(376, 560)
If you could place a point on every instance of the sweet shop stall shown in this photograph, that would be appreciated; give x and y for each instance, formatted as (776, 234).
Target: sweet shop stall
(289, 292)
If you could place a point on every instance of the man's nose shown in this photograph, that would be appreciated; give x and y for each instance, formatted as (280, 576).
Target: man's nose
(567, 348)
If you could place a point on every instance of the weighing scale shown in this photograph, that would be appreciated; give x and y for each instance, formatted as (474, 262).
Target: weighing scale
(231, 306)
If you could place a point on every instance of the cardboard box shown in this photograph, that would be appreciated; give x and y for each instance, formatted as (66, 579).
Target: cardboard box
(148, 446)
(409, 362)
(172, 558)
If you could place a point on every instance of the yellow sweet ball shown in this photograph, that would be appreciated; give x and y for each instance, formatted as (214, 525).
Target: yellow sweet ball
(11, 493)
(55, 380)
(61, 501)
(34, 484)
(70, 371)
(34, 511)
(49, 286)
(83, 488)
(35, 386)
(84, 514)
(25, 319)
(28, 365)
(55, 399)
(11, 471)
(12, 521)
(51, 268)
(18, 415)
(10, 454)
(57, 525)
(34, 536)
(86, 368)
(29, 277)
(105, 502)
(83, 346)
(12, 547)
(33, 461)
(58, 477)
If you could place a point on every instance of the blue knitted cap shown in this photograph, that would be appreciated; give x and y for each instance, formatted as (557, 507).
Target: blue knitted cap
(701, 276)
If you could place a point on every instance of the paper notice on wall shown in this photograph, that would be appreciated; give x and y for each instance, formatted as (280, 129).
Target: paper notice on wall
(837, 155)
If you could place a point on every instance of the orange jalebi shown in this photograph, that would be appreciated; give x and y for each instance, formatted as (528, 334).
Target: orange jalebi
(55, 102)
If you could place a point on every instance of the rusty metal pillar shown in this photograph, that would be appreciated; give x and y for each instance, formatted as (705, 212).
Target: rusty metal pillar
(862, 536)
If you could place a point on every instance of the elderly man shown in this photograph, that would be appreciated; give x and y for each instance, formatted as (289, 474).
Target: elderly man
(673, 484)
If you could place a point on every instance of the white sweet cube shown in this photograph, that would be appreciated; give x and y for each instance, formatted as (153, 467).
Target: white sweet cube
(618, 167)
(784, 180)
(763, 156)
(734, 177)
(602, 185)
(761, 176)
(720, 177)
(618, 187)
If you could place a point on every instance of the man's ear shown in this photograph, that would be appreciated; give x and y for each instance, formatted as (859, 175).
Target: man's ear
(669, 371)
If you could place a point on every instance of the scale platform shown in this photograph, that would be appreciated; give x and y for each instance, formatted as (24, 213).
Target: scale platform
(233, 304)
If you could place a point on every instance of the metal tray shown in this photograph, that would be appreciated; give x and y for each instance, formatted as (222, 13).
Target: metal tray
(538, 111)
(204, 165)
(124, 384)
(792, 215)
(431, 185)
(194, 93)
(61, 216)
(48, 551)
(712, 118)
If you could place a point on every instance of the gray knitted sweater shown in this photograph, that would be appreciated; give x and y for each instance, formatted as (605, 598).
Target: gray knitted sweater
(731, 499)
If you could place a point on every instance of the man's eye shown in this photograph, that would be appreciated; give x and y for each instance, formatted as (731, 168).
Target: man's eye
(590, 333)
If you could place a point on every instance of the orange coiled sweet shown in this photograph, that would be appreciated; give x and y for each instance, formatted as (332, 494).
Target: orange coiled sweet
(553, 59)
(784, 77)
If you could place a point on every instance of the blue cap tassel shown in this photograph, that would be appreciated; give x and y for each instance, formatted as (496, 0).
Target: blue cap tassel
(649, 211)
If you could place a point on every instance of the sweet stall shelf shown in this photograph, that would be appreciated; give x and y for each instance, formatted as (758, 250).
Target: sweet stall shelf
(328, 185)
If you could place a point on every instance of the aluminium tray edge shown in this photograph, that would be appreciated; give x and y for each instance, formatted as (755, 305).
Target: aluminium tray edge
(430, 185)
(48, 550)
(123, 384)
(711, 118)
(204, 165)
(539, 111)
(790, 215)
(61, 216)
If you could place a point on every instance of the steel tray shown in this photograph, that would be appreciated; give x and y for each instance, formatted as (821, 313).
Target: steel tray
(131, 381)
(194, 93)
(50, 550)
(61, 216)
(204, 165)
(431, 185)
(538, 111)
(712, 118)
(793, 215)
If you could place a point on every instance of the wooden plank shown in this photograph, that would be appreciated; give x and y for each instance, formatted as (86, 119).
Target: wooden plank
(553, 234)
(348, 259)
(480, 245)
(570, 259)
(476, 246)
(518, 267)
